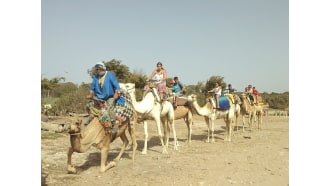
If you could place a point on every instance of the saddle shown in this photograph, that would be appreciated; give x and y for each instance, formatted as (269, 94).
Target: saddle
(224, 103)
(181, 101)
(108, 112)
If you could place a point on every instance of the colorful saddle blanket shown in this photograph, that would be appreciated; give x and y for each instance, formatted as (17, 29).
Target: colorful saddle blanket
(122, 108)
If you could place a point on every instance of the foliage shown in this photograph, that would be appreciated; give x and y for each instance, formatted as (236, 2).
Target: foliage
(210, 84)
(276, 100)
(48, 85)
(67, 97)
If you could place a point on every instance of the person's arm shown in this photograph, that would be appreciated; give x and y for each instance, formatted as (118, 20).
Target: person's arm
(151, 75)
(164, 75)
(115, 85)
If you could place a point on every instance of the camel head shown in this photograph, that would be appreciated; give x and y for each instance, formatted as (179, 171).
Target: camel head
(127, 87)
(75, 126)
(192, 98)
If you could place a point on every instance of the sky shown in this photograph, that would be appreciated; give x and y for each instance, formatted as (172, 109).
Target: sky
(246, 42)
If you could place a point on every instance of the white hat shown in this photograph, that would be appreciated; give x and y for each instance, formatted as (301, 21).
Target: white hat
(100, 64)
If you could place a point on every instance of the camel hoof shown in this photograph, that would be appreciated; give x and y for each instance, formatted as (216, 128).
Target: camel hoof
(207, 141)
(165, 151)
(71, 170)
(144, 152)
(112, 164)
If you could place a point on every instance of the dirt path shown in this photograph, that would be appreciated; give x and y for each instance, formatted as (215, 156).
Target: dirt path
(252, 158)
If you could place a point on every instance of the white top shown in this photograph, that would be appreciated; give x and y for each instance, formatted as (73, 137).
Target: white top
(158, 78)
(217, 90)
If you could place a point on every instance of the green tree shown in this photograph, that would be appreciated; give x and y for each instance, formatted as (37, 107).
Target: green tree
(121, 71)
(211, 83)
(47, 86)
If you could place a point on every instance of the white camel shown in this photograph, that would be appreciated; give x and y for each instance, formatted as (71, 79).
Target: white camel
(210, 114)
(150, 108)
(237, 111)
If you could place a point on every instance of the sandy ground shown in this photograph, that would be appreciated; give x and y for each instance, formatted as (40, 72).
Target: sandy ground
(252, 158)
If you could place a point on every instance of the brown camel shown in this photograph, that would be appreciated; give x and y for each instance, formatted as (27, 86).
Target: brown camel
(247, 110)
(184, 110)
(254, 112)
(95, 134)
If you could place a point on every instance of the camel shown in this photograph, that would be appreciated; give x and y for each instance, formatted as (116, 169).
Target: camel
(150, 108)
(254, 111)
(95, 134)
(237, 110)
(258, 111)
(247, 109)
(184, 110)
(210, 114)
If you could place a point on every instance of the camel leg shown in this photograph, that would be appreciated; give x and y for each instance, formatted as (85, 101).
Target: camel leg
(174, 134)
(160, 135)
(145, 127)
(125, 141)
(188, 122)
(207, 121)
(243, 120)
(70, 168)
(259, 120)
(131, 130)
(250, 121)
(228, 131)
(166, 128)
(104, 157)
(212, 128)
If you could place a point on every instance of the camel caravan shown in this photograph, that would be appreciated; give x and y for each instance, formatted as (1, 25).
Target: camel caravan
(164, 113)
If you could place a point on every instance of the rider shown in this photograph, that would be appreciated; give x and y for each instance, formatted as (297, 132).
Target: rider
(231, 91)
(256, 93)
(174, 91)
(249, 92)
(159, 78)
(217, 93)
(104, 87)
(178, 89)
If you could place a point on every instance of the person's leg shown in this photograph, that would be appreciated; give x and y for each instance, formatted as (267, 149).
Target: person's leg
(175, 101)
(112, 114)
(90, 115)
(218, 99)
(251, 99)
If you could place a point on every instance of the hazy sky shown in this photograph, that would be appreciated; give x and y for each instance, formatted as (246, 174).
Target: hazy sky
(244, 41)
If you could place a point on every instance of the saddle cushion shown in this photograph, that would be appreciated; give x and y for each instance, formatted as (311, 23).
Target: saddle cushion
(224, 103)
(182, 101)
